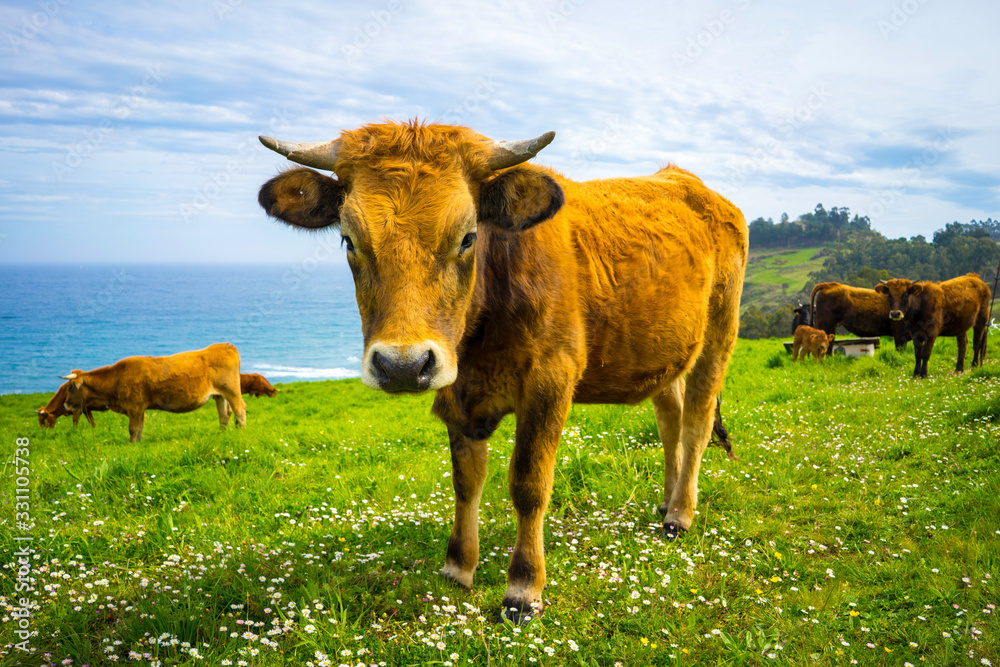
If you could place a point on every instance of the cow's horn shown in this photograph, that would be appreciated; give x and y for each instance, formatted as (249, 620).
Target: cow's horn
(71, 376)
(882, 282)
(508, 153)
(320, 156)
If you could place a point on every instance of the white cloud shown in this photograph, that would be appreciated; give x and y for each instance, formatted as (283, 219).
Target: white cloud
(779, 105)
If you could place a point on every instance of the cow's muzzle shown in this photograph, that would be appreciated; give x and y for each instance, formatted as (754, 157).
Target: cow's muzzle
(408, 368)
(895, 315)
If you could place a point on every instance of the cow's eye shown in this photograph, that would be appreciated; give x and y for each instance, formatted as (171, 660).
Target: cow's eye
(467, 242)
(346, 241)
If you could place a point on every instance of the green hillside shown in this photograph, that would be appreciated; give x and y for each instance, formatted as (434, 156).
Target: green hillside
(774, 276)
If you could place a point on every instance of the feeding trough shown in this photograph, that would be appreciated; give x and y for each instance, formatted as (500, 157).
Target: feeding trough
(851, 347)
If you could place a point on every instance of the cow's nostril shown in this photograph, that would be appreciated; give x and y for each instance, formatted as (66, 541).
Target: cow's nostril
(378, 365)
(427, 370)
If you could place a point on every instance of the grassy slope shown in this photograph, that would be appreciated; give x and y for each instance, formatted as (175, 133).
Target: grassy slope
(860, 522)
(768, 269)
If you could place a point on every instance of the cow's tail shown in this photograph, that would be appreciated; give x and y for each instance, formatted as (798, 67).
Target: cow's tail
(719, 432)
(812, 302)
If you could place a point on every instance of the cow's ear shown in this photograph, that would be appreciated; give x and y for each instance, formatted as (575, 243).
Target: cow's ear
(830, 338)
(519, 198)
(881, 288)
(915, 288)
(303, 198)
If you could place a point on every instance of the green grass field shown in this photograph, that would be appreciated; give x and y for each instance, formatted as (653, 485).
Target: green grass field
(860, 523)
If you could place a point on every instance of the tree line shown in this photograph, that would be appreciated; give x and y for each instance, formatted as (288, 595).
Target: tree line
(861, 256)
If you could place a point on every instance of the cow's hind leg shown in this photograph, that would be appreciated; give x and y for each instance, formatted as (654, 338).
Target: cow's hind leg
(963, 346)
(703, 384)
(668, 408)
(979, 334)
(468, 465)
(231, 393)
(222, 405)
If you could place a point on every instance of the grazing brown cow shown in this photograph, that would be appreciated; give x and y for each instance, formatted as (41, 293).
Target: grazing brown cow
(179, 383)
(256, 384)
(948, 308)
(811, 341)
(511, 289)
(863, 312)
(56, 408)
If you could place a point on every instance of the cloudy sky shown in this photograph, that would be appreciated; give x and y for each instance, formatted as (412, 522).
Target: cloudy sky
(129, 130)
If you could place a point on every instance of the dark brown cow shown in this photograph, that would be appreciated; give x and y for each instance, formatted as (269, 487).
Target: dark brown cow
(863, 312)
(802, 316)
(179, 383)
(256, 384)
(56, 408)
(511, 289)
(948, 308)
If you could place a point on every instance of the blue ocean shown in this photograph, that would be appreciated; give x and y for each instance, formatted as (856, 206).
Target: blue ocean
(290, 323)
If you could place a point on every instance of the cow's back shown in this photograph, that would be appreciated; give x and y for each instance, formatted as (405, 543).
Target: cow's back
(965, 304)
(179, 382)
(654, 255)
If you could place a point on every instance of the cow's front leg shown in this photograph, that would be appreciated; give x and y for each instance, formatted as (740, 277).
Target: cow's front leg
(468, 474)
(135, 423)
(540, 420)
(222, 405)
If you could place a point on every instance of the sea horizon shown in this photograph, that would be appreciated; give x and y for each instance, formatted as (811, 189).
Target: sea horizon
(290, 322)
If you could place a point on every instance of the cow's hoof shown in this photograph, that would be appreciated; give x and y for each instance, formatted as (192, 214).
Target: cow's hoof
(663, 510)
(456, 576)
(671, 531)
(518, 613)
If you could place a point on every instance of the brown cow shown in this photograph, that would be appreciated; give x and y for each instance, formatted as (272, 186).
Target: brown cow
(56, 408)
(811, 341)
(179, 383)
(256, 384)
(511, 289)
(863, 312)
(948, 308)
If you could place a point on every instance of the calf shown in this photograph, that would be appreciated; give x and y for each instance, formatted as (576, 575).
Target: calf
(811, 341)
(55, 409)
(256, 384)
(179, 383)
(948, 308)
(863, 312)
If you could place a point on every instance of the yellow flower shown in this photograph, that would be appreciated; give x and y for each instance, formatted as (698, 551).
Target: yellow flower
(775, 579)
(777, 555)
(644, 641)
(813, 487)
(887, 649)
(855, 613)
(694, 591)
(878, 501)
(759, 591)
(684, 651)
